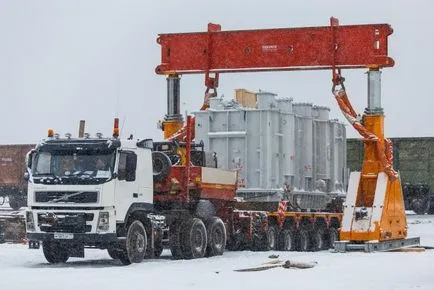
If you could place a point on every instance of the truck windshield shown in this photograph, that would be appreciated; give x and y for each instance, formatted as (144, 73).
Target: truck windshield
(80, 164)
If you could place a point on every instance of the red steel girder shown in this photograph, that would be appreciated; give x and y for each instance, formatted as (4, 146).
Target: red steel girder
(305, 48)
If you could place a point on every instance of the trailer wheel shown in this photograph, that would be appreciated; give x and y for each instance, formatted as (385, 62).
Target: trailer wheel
(332, 237)
(216, 232)
(161, 165)
(234, 243)
(287, 240)
(260, 242)
(318, 239)
(193, 239)
(175, 241)
(55, 253)
(136, 242)
(273, 237)
(304, 240)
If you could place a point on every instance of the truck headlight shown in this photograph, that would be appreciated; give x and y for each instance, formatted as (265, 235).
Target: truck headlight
(30, 223)
(103, 221)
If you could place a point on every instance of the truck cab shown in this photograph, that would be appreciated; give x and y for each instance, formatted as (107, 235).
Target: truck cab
(83, 191)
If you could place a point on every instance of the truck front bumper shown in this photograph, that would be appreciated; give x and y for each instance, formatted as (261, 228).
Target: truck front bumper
(76, 238)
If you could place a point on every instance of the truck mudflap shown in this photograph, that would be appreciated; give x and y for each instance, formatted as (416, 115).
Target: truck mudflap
(71, 238)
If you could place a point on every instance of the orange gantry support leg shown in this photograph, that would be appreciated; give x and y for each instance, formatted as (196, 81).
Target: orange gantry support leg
(374, 215)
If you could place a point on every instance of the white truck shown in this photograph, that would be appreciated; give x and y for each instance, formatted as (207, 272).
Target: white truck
(123, 196)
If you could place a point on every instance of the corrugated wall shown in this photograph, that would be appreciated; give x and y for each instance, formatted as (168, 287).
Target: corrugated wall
(413, 157)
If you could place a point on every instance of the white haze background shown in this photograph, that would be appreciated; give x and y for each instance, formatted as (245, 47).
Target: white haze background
(62, 61)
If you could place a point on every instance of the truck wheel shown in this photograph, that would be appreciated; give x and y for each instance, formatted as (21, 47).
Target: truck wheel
(193, 239)
(123, 257)
(161, 165)
(55, 253)
(287, 240)
(318, 240)
(273, 237)
(420, 205)
(136, 242)
(175, 241)
(332, 237)
(304, 240)
(216, 232)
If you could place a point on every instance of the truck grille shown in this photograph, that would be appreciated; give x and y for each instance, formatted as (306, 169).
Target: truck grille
(65, 222)
(66, 196)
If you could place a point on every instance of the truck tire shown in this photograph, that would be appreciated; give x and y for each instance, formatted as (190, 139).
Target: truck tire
(161, 165)
(234, 242)
(287, 240)
(420, 205)
(216, 232)
(55, 252)
(273, 237)
(332, 237)
(318, 239)
(193, 239)
(260, 242)
(136, 242)
(304, 240)
(175, 241)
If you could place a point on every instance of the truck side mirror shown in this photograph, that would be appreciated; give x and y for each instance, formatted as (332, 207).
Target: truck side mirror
(26, 176)
(29, 158)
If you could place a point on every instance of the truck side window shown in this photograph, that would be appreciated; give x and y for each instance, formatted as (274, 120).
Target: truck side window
(127, 166)
(43, 164)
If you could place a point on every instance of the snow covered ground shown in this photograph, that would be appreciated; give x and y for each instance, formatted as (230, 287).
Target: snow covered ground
(21, 268)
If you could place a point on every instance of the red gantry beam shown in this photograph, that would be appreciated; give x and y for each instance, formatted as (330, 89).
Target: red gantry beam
(305, 48)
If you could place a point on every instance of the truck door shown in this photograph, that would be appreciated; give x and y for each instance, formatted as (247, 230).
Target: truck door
(132, 186)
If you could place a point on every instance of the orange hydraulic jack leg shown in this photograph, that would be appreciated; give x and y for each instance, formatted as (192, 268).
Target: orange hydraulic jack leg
(374, 215)
(173, 120)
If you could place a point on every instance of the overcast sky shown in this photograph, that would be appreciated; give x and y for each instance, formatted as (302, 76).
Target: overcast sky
(62, 61)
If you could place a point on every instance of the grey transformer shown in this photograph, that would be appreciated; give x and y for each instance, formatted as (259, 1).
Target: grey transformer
(281, 149)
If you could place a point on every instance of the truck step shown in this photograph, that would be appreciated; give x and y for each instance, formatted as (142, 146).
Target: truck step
(375, 246)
